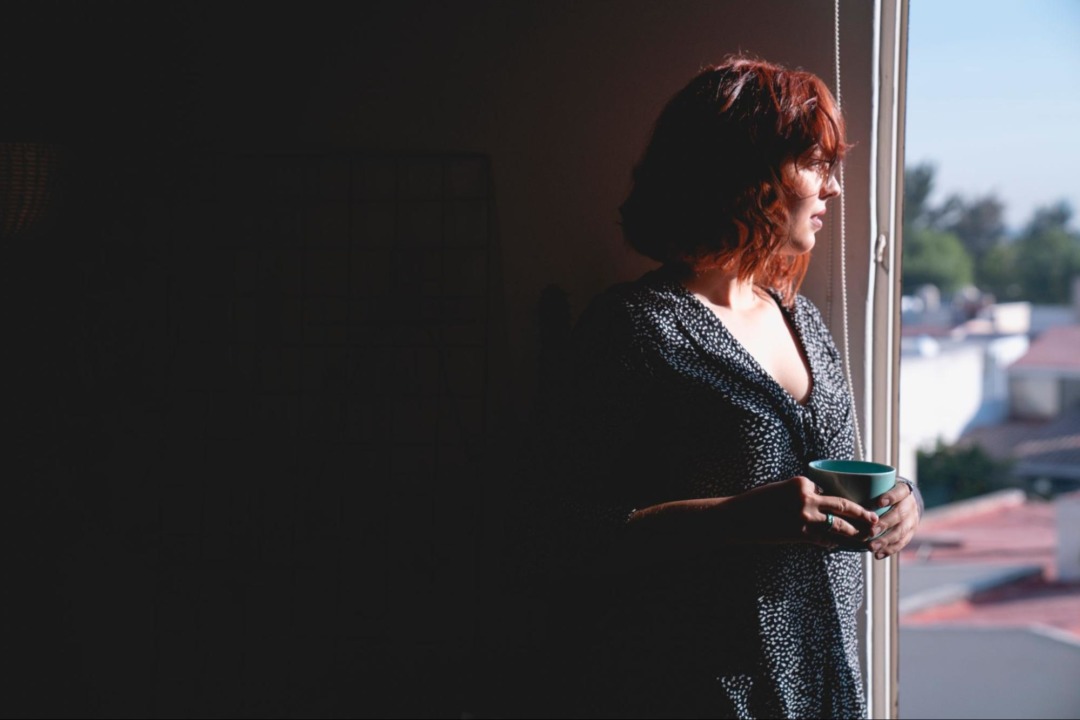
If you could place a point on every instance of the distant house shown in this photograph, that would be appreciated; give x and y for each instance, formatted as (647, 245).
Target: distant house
(1045, 382)
(1042, 434)
(981, 381)
(952, 377)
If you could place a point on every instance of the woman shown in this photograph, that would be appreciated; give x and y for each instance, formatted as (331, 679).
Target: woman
(701, 573)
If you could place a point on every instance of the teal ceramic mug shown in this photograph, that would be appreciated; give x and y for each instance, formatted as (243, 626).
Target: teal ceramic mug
(857, 480)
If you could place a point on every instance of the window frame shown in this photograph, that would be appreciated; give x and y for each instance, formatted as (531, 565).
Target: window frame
(881, 342)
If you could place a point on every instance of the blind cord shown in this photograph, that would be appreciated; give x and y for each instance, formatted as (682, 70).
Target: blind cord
(843, 253)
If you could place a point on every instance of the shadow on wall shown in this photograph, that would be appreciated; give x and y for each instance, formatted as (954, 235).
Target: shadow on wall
(255, 398)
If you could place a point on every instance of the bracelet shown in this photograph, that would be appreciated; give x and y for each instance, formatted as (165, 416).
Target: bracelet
(628, 516)
(917, 496)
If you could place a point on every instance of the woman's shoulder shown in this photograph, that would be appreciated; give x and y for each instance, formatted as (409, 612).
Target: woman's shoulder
(815, 330)
(627, 319)
(633, 301)
(805, 308)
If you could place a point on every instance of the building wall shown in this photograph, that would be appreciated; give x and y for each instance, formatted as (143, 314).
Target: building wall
(1035, 396)
(958, 386)
(939, 395)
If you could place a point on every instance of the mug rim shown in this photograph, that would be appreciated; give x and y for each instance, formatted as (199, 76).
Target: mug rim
(854, 467)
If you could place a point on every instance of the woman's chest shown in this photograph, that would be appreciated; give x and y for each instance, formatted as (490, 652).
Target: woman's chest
(770, 344)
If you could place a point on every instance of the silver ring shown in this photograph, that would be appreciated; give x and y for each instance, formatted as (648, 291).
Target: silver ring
(829, 521)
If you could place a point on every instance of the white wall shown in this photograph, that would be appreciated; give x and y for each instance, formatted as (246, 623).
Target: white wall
(939, 395)
(943, 394)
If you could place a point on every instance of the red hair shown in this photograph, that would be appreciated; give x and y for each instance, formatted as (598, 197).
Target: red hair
(711, 189)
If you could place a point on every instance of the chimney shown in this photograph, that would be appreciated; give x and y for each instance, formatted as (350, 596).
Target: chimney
(1076, 297)
(1068, 545)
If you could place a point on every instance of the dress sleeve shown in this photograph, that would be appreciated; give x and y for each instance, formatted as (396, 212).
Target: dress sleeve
(588, 439)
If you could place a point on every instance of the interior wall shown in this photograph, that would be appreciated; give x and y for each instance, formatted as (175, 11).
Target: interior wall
(195, 531)
(565, 111)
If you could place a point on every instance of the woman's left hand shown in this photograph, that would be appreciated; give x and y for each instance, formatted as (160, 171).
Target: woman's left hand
(898, 524)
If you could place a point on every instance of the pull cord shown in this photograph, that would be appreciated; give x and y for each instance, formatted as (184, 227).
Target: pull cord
(843, 254)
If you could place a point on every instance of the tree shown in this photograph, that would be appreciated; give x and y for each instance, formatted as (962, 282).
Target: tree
(997, 274)
(937, 258)
(959, 242)
(979, 223)
(918, 186)
(954, 472)
(1045, 265)
(919, 213)
(1050, 217)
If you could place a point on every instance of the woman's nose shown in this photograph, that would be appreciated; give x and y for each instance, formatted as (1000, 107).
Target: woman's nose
(831, 188)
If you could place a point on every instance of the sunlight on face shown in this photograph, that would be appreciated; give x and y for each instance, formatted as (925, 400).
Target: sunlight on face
(814, 181)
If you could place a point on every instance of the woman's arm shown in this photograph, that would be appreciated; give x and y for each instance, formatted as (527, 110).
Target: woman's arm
(793, 510)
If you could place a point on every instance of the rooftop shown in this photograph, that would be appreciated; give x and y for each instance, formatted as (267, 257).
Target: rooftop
(987, 629)
(1035, 446)
(988, 563)
(1055, 348)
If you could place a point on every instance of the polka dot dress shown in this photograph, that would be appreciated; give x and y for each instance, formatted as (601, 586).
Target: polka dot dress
(664, 404)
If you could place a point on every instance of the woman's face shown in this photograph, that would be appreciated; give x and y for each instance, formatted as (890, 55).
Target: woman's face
(814, 183)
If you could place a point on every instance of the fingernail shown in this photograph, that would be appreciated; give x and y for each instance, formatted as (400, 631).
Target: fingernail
(883, 502)
(880, 556)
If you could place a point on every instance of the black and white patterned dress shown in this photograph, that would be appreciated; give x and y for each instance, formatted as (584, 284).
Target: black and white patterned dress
(664, 404)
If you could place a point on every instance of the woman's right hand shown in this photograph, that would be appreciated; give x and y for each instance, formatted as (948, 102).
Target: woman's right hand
(795, 510)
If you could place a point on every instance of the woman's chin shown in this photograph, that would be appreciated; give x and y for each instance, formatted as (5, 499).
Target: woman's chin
(800, 246)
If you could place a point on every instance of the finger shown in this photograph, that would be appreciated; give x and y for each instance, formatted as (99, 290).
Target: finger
(893, 540)
(840, 528)
(888, 549)
(844, 529)
(896, 494)
(848, 509)
(897, 515)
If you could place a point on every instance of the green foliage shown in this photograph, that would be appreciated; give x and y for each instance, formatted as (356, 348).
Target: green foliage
(997, 273)
(1049, 217)
(963, 241)
(1040, 265)
(979, 223)
(951, 472)
(938, 258)
(1045, 264)
(918, 185)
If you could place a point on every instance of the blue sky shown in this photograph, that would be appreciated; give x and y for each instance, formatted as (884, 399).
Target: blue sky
(993, 99)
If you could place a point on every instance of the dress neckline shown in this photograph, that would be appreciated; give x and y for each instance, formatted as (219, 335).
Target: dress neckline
(790, 319)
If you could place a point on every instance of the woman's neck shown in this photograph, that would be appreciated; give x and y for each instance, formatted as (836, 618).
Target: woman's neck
(724, 288)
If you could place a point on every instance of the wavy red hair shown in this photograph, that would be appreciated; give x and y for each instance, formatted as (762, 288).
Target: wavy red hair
(711, 188)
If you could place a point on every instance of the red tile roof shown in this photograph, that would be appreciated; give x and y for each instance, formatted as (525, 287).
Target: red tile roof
(1006, 533)
(1041, 443)
(1032, 601)
(1054, 348)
